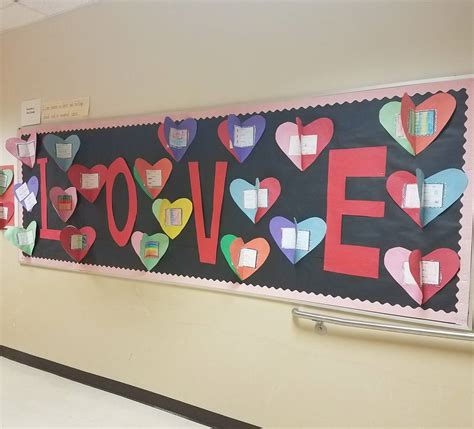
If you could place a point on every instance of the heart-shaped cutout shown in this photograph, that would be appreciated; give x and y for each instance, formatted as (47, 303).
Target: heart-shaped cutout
(240, 138)
(440, 191)
(225, 243)
(434, 272)
(303, 144)
(77, 241)
(88, 181)
(255, 200)
(177, 137)
(172, 217)
(23, 239)
(64, 201)
(62, 151)
(6, 179)
(389, 117)
(422, 124)
(6, 213)
(150, 248)
(23, 150)
(26, 193)
(152, 178)
(297, 239)
(247, 258)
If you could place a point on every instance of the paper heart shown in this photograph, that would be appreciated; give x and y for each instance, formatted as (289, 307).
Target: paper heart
(397, 259)
(32, 186)
(152, 178)
(389, 117)
(172, 217)
(226, 131)
(64, 201)
(303, 144)
(69, 239)
(23, 150)
(75, 173)
(8, 178)
(66, 149)
(257, 246)
(423, 123)
(6, 210)
(314, 230)
(239, 189)
(225, 243)
(184, 133)
(454, 183)
(23, 239)
(150, 248)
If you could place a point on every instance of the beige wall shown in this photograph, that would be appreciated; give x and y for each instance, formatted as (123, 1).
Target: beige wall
(238, 356)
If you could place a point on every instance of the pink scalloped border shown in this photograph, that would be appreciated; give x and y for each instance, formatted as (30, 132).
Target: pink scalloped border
(462, 318)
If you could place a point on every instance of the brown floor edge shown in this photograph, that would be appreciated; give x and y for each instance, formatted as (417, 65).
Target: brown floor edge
(196, 414)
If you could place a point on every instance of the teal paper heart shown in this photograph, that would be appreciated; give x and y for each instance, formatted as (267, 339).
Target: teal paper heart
(9, 175)
(50, 141)
(388, 118)
(12, 235)
(139, 242)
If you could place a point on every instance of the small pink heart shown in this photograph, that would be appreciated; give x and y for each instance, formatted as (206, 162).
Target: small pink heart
(64, 201)
(24, 150)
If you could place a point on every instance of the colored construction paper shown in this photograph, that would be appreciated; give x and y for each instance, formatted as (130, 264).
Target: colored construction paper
(303, 144)
(297, 239)
(248, 257)
(77, 241)
(23, 150)
(422, 276)
(150, 248)
(88, 181)
(64, 201)
(6, 179)
(27, 192)
(23, 239)
(226, 241)
(7, 209)
(172, 217)
(255, 200)
(422, 124)
(390, 118)
(177, 137)
(424, 199)
(62, 151)
(241, 137)
(152, 178)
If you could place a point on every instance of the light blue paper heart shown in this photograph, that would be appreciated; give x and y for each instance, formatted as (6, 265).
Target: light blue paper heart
(237, 188)
(455, 183)
(51, 140)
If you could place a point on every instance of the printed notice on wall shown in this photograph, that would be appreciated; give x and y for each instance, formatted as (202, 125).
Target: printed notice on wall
(30, 112)
(65, 109)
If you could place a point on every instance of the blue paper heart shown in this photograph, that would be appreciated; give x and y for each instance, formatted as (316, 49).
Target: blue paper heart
(315, 226)
(455, 183)
(237, 188)
(50, 141)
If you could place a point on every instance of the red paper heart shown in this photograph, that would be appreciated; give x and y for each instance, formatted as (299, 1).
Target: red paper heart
(11, 209)
(396, 187)
(164, 165)
(223, 133)
(414, 263)
(274, 190)
(65, 238)
(74, 174)
(444, 104)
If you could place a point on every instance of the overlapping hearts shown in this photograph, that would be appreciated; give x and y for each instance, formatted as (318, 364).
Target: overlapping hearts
(140, 243)
(177, 138)
(64, 211)
(75, 173)
(23, 150)
(152, 178)
(27, 199)
(23, 238)
(6, 213)
(79, 253)
(163, 208)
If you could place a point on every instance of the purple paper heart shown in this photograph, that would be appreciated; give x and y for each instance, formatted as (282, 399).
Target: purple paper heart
(188, 124)
(256, 121)
(32, 185)
(276, 224)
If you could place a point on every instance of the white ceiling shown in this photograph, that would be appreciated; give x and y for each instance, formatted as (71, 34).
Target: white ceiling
(16, 13)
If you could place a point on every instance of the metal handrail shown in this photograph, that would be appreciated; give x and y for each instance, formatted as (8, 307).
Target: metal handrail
(440, 333)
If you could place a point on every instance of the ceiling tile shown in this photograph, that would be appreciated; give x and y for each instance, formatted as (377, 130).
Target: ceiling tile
(53, 7)
(16, 15)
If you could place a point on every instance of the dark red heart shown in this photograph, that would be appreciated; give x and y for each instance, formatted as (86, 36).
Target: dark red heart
(11, 209)
(65, 238)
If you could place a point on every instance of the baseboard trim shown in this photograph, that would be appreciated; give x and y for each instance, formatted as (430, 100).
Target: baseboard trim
(152, 399)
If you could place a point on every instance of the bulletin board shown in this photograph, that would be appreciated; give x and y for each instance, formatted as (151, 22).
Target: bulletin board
(310, 201)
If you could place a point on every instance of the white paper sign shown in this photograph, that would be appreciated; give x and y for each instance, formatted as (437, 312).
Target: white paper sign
(90, 181)
(25, 238)
(153, 178)
(3, 212)
(432, 196)
(429, 273)
(3, 180)
(248, 258)
(78, 242)
(295, 146)
(31, 112)
(30, 201)
(178, 138)
(64, 150)
(22, 192)
(262, 198)
(293, 239)
(253, 200)
(244, 136)
(400, 132)
(25, 150)
(309, 145)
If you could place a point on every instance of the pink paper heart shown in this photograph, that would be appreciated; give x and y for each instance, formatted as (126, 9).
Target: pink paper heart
(54, 193)
(11, 146)
(136, 240)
